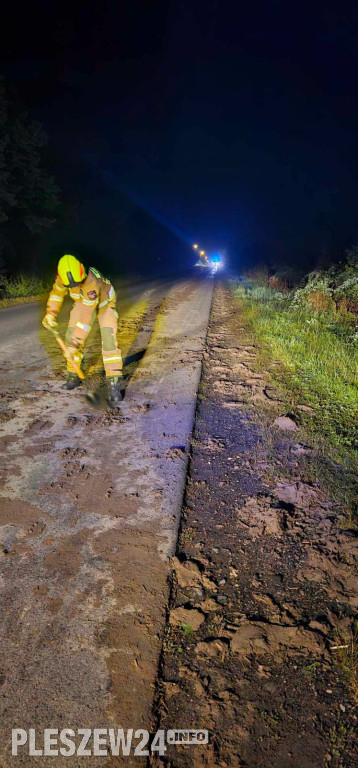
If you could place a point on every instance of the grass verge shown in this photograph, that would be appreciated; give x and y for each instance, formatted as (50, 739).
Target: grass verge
(348, 657)
(22, 286)
(22, 289)
(312, 360)
(318, 362)
(22, 300)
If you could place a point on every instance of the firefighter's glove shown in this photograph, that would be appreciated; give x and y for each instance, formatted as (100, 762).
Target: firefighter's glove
(49, 322)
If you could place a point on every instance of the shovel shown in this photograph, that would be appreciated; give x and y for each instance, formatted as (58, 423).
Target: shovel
(66, 353)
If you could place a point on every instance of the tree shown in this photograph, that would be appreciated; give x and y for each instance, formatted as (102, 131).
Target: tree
(28, 194)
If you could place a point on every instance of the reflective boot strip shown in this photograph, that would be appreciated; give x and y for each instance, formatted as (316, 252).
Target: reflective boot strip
(83, 326)
(110, 359)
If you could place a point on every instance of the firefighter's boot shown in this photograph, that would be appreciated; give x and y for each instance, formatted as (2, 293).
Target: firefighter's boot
(72, 382)
(115, 395)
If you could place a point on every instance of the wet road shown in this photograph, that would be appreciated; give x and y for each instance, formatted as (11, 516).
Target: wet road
(89, 516)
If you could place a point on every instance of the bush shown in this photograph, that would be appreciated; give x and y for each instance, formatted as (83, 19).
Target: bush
(316, 293)
(264, 293)
(333, 292)
(22, 286)
(258, 275)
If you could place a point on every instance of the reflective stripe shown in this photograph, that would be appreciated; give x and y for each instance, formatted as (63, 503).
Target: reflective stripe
(61, 288)
(103, 303)
(74, 295)
(55, 298)
(89, 302)
(111, 292)
(83, 326)
(109, 359)
(96, 273)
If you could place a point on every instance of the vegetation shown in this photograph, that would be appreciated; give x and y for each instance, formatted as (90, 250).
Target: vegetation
(348, 657)
(22, 286)
(308, 338)
(312, 333)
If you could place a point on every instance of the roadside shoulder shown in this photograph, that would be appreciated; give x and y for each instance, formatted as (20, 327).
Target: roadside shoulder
(261, 624)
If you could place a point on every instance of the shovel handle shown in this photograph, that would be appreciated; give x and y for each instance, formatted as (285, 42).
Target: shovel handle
(66, 353)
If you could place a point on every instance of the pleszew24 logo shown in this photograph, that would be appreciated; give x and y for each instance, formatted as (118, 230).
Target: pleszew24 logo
(101, 742)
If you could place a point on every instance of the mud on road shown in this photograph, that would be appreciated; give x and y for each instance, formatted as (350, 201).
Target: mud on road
(265, 582)
(90, 507)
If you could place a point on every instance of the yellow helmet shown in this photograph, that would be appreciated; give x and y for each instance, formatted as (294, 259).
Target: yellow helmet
(70, 270)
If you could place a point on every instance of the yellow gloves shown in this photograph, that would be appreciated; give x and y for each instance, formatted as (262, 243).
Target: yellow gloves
(49, 322)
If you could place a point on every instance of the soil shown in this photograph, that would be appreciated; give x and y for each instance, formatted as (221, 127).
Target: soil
(264, 581)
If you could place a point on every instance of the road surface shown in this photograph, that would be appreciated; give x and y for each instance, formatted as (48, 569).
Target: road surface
(90, 508)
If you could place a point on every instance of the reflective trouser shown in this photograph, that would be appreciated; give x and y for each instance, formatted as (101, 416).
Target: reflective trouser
(79, 326)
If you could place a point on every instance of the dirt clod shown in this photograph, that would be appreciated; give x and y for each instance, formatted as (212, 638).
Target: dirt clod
(286, 423)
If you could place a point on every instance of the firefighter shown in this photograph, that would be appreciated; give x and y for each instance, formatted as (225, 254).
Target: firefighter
(93, 295)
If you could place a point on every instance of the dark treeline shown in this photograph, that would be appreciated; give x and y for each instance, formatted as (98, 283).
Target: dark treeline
(29, 197)
(83, 214)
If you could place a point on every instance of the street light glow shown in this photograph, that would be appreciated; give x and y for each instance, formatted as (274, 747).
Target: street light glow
(195, 246)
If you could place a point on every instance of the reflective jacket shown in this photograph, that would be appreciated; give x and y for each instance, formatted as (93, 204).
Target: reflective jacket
(96, 291)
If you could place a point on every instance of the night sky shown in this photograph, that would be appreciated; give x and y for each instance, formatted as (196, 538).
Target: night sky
(175, 122)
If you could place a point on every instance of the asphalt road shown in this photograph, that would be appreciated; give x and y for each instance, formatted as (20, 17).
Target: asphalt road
(16, 322)
(24, 319)
(23, 338)
(89, 514)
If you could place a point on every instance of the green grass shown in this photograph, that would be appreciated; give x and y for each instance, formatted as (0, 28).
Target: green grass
(348, 657)
(22, 286)
(318, 359)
